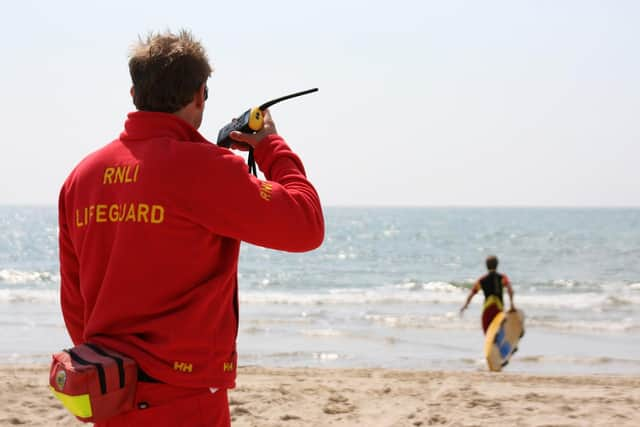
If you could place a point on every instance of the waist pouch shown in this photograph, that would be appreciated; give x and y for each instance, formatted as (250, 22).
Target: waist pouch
(93, 383)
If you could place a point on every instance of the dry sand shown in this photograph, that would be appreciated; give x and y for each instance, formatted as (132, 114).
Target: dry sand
(376, 397)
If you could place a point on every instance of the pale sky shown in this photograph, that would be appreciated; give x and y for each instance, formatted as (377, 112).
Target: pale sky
(454, 103)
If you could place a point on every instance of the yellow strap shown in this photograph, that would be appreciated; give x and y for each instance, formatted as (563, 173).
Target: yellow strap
(492, 299)
(79, 405)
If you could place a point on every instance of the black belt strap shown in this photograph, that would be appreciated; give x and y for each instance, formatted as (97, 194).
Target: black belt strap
(98, 366)
(117, 359)
(146, 378)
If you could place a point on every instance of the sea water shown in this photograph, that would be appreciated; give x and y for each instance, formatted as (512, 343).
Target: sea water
(385, 289)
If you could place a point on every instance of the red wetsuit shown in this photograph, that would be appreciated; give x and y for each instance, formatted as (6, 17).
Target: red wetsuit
(150, 230)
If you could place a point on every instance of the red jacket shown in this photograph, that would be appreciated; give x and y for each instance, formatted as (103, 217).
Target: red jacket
(150, 231)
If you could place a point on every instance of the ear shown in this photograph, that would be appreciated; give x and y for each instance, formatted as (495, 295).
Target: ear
(132, 91)
(199, 97)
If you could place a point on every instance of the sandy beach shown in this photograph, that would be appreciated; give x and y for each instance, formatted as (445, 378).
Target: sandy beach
(376, 397)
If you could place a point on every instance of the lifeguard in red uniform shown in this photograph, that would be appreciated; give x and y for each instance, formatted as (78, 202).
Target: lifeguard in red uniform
(150, 230)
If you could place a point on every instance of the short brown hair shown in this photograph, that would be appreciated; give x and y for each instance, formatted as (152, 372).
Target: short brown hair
(167, 70)
(492, 262)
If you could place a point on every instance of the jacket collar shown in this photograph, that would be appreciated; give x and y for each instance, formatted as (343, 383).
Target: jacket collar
(148, 124)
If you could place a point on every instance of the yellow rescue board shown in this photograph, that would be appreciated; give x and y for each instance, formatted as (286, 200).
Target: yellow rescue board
(503, 336)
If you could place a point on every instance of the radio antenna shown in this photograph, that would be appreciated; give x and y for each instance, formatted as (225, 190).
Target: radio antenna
(293, 95)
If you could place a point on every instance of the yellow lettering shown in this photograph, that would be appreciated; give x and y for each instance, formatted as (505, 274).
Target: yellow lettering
(265, 191)
(157, 214)
(79, 223)
(123, 212)
(227, 366)
(127, 178)
(101, 213)
(131, 215)
(113, 213)
(119, 175)
(143, 210)
(119, 212)
(182, 366)
(108, 176)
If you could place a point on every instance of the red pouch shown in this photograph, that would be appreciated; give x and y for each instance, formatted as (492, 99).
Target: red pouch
(93, 383)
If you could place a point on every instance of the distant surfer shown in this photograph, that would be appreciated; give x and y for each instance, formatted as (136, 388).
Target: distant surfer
(492, 285)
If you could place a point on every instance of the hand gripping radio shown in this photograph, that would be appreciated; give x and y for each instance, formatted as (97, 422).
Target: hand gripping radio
(252, 120)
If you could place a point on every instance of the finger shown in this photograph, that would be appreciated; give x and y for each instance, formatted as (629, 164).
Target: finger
(242, 146)
(239, 136)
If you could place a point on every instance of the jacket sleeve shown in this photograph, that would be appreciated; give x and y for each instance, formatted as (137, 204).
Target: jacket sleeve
(70, 296)
(283, 212)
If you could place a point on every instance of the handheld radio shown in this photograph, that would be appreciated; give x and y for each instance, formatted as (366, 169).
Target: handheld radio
(252, 120)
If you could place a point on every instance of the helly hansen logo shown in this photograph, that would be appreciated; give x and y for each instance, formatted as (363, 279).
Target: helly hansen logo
(265, 190)
(182, 367)
(227, 366)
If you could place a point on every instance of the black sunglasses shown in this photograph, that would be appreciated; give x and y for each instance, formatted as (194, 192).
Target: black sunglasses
(206, 92)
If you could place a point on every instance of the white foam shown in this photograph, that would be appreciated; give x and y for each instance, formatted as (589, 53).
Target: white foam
(29, 295)
(326, 356)
(449, 320)
(322, 332)
(17, 277)
(349, 297)
(625, 325)
(576, 301)
(565, 283)
(441, 287)
(438, 293)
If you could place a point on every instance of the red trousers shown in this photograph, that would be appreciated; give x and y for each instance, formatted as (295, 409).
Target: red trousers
(162, 405)
(488, 314)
